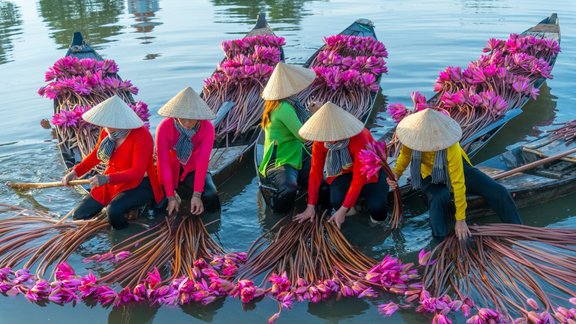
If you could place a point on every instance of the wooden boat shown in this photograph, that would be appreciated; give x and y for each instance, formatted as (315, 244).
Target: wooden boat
(546, 182)
(361, 27)
(227, 154)
(69, 152)
(548, 28)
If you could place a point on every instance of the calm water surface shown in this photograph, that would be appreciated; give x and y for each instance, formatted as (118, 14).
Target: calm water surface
(164, 45)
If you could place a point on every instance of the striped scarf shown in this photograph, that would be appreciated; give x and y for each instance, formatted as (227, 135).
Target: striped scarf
(108, 144)
(301, 111)
(184, 145)
(338, 158)
(439, 170)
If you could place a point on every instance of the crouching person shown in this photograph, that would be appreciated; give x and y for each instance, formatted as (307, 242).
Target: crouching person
(338, 139)
(126, 147)
(184, 141)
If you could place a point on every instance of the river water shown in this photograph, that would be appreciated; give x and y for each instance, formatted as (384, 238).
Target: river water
(164, 45)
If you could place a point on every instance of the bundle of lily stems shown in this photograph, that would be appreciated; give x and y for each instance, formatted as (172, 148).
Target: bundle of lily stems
(174, 245)
(37, 239)
(309, 251)
(515, 270)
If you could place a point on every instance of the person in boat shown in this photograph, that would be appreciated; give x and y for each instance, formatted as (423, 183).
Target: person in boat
(184, 141)
(438, 166)
(338, 139)
(126, 148)
(285, 164)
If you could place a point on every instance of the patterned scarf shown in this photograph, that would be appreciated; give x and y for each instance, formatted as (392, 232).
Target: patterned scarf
(301, 111)
(184, 145)
(338, 158)
(439, 170)
(108, 144)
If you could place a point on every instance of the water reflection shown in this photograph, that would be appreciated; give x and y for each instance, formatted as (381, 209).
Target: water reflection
(10, 26)
(144, 14)
(483, 6)
(205, 313)
(138, 313)
(335, 310)
(96, 19)
(289, 12)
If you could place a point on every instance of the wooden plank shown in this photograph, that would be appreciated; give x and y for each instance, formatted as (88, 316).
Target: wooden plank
(552, 148)
(222, 157)
(519, 180)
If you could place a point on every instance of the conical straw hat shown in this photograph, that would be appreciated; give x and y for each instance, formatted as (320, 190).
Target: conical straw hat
(287, 80)
(113, 112)
(330, 123)
(428, 131)
(187, 104)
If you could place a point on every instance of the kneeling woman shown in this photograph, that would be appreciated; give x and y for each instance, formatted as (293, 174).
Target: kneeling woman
(439, 165)
(338, 139)
(283, 164)
(184, 143)
(126, 147)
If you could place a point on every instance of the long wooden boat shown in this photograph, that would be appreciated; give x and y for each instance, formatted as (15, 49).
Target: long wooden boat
(548, 28)
(229, 154)
(361, 27)
(69, 152)
(549, 181)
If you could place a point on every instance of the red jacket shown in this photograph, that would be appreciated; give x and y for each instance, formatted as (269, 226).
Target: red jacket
(319, 152)
(128, 164)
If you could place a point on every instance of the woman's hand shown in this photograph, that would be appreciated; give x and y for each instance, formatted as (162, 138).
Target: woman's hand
(461, 229)
(313, 106)
(173, 206)
(308, 213)
(393, 183)
(99, 180)
(339, 216)
(196, 205)
(68, 177)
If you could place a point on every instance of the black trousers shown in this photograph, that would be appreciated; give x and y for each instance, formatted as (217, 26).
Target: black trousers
(209, 197)
(119, 206)
(374, 194)
(477, 183)
(287, 180)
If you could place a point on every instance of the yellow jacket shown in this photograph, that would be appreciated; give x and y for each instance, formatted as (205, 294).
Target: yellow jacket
(455, 156)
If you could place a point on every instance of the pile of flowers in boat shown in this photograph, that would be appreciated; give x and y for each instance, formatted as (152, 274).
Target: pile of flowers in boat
(348, 70)
(240, 78)
(77, 85)
(503, 79)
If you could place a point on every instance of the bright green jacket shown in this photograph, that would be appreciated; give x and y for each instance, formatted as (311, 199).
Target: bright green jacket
(282, 131)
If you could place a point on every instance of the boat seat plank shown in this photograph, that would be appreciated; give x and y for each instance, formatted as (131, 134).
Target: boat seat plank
(222, 157)
(518, 180)
(489, 170)
(552, 148)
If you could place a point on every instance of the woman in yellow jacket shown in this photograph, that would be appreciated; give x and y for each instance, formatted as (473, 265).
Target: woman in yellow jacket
(439, 165)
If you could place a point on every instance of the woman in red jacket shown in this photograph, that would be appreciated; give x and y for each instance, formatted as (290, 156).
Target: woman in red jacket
(126, 147)
(338, 139)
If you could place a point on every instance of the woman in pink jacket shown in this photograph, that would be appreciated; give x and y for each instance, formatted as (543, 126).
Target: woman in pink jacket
(184, 143)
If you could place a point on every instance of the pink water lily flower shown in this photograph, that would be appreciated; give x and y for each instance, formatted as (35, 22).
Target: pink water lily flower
(388, 309)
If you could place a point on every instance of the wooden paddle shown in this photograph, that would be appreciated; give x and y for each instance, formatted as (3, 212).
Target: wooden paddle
(42, 185)
(533, 164)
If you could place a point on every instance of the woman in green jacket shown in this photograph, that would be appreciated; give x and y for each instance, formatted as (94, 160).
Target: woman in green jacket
(282, 165)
